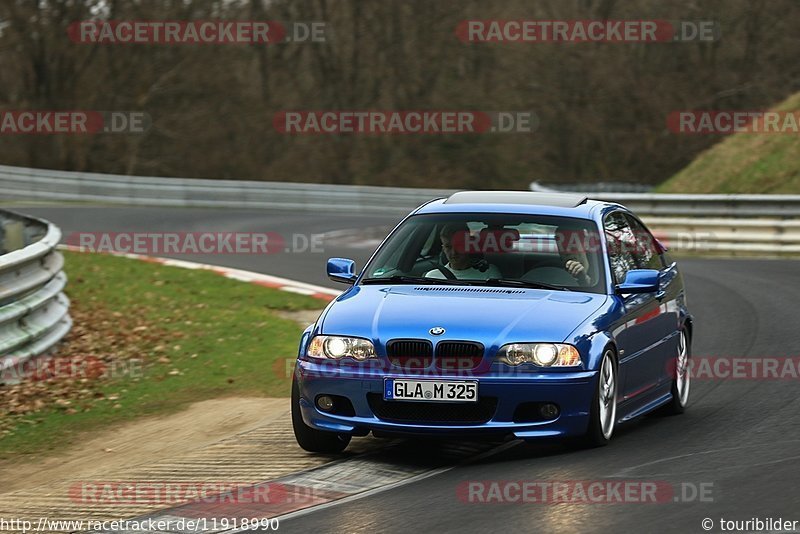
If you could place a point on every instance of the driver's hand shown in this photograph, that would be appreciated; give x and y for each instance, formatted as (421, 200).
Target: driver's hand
(576, 269)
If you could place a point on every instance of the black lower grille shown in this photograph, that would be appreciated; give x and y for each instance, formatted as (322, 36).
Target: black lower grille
(455, 413)
(410, 353)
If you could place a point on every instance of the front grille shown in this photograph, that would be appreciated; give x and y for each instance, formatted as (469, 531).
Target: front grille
(410, 353)
(458, 355)
(443, 413)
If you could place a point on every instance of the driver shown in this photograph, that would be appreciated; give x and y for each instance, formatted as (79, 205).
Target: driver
(573, 254)
(463, 265)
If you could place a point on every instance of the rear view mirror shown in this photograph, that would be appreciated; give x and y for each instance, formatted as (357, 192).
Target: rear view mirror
(342, 270)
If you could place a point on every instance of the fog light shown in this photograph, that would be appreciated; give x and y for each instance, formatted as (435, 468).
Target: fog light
(325, 403)
(549, 411)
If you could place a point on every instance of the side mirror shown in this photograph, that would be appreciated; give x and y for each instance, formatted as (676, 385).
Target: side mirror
(639, 281)
(342, 270)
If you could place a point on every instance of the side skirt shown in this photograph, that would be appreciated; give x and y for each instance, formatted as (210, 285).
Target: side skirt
(649, 407)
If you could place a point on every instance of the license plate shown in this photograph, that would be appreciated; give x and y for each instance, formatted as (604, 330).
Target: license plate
(430, 390)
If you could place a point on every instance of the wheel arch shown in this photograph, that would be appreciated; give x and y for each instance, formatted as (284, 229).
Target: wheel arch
(688, 325)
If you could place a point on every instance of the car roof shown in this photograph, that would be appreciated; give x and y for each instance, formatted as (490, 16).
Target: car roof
(564, 204)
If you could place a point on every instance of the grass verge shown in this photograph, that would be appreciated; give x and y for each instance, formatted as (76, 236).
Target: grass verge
(156, 338)
(744, 163)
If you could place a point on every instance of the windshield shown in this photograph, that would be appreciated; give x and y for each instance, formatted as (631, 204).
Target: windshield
(492, 249)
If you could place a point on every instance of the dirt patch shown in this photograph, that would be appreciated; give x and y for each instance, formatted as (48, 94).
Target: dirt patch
(101, 343)
(145, 441)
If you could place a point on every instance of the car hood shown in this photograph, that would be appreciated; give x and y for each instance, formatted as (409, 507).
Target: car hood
(492, 316)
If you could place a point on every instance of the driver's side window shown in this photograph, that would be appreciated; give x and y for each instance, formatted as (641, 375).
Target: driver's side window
(621, 245)
(647, 253)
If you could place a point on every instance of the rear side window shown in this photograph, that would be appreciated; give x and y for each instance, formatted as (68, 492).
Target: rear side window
(647, 253)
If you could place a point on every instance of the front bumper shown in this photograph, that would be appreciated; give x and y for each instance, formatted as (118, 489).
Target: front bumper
(572, 391)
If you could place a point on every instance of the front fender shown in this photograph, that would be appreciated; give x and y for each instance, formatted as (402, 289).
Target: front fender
(592, 347)
(594, 334)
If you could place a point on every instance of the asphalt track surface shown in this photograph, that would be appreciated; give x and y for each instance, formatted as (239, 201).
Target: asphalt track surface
(740, 437)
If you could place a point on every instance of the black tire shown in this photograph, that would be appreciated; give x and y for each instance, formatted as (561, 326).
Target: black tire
(676, 406)
(311, 439)
(595, 436)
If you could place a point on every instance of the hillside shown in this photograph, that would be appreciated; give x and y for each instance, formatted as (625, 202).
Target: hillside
(744, 163)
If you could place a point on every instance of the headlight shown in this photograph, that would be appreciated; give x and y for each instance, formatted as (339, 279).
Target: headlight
(338, 347)
(541, 354)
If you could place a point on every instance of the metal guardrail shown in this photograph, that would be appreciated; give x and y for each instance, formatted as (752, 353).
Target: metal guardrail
(706, 205)
(34, 312)
(734, 206)
(598, 188)
(699, 225)
(41, 184)
(771, 237)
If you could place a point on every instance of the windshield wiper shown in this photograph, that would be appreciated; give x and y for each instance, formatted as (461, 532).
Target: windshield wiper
(513, 282)
(403, 279)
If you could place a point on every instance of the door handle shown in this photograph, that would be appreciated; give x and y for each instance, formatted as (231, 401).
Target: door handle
(661, 294)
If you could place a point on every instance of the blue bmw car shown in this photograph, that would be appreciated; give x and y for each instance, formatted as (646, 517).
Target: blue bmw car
(534, 315)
